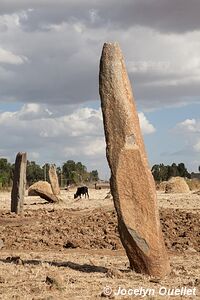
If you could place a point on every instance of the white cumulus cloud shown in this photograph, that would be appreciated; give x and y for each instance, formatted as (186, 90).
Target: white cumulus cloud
(146, 126)
(189, 125)
(189, 129)
(8, 57)
(49, 136)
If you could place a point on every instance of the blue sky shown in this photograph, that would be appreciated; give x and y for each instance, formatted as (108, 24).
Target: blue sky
(165, 145)
(10, 106)
(49, 64)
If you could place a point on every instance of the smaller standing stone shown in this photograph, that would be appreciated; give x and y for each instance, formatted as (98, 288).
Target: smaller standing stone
(19, 183)
(54, 180)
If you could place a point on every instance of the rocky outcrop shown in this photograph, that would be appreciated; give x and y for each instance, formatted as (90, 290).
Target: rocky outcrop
(132, 184)
(176, 185)
(47, 196)
(39, 185)
(43, 190)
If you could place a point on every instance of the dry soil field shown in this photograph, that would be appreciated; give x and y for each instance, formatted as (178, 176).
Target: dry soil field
(72, 250)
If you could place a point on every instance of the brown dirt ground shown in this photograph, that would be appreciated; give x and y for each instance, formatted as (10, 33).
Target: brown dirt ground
(72, 250)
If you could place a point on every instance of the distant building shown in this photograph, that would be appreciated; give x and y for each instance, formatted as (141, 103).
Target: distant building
(195, 175)
(102, 185)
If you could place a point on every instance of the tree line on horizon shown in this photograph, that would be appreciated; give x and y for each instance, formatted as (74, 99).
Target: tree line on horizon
(163, 172)
(71, 172)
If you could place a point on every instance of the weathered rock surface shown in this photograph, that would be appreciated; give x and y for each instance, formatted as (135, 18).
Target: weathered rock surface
(19, 183)
(45, 195)
(43, 190)
(132, 184)
(40, 185)
(54, 180)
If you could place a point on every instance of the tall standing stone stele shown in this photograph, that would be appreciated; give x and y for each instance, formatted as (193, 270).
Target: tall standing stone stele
(54, 180)
(132, 184)
(19, 183)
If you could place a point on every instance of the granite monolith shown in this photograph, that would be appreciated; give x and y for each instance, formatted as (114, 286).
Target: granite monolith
(132, 184)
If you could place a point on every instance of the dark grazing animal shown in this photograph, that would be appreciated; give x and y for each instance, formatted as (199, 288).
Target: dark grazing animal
(83, 190)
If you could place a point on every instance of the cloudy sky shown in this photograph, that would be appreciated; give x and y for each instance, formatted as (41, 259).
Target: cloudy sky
(49, 64)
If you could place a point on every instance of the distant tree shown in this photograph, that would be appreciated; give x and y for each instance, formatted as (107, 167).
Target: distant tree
(173, 171)
(156, 172)
(77, 172)
(68, 168)
(58, 170)
(69, 171)
(94, 176)
(162, 172)
(80, 168)
(45, 169)
(183, 172)
(5, 173)
(34, 172)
